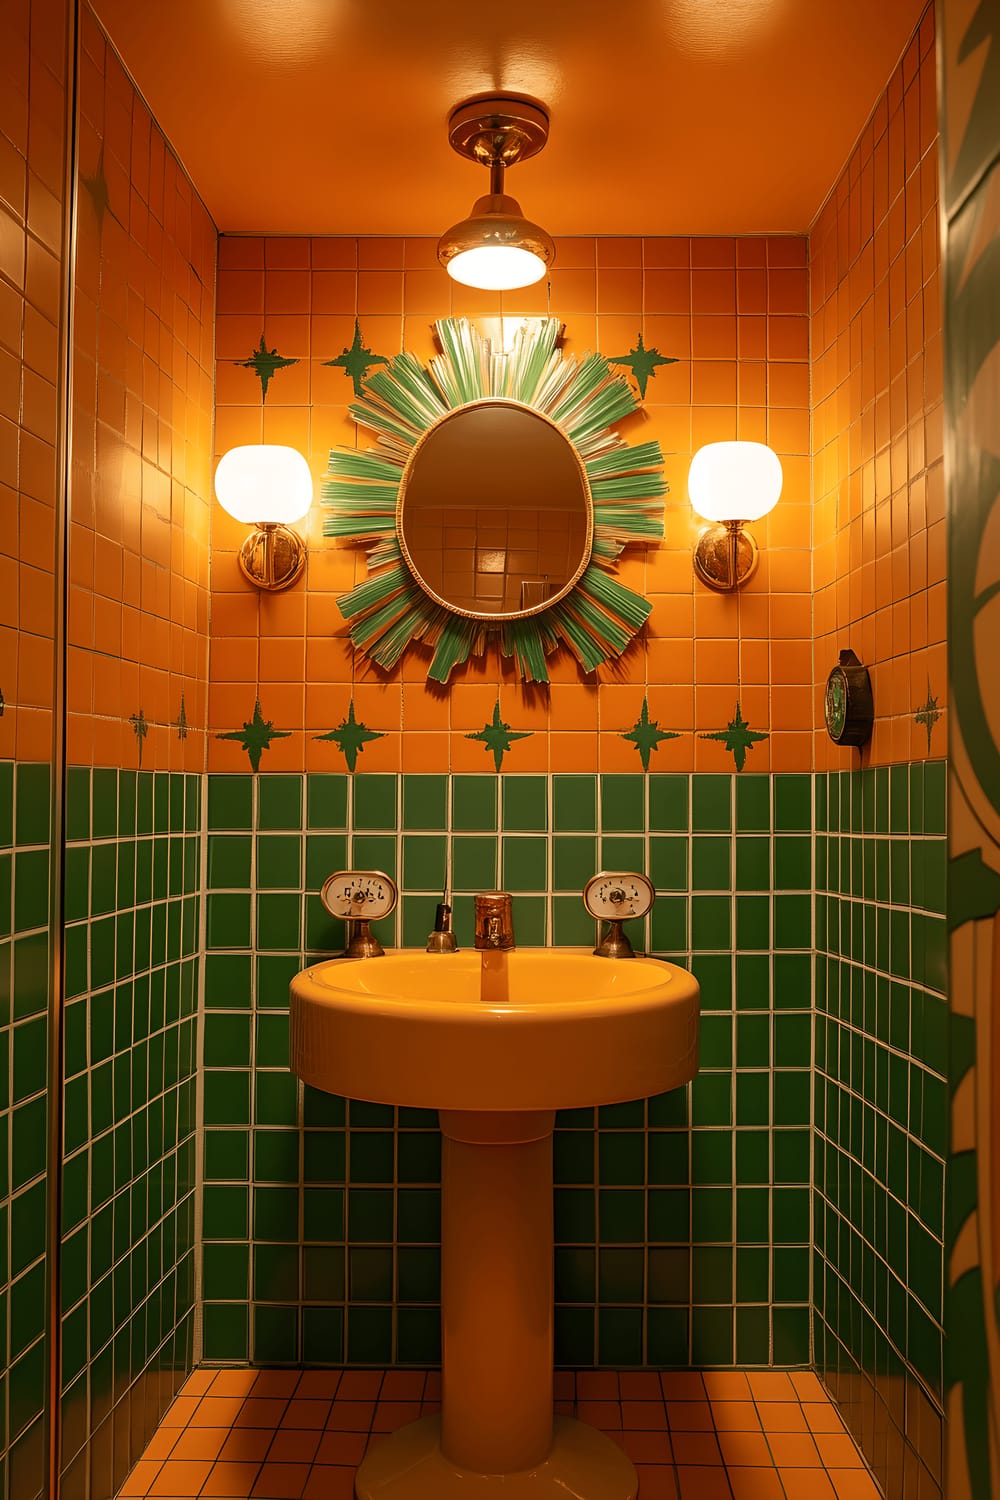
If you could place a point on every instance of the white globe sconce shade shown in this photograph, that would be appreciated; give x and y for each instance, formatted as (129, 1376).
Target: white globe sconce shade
(731, 484)
(267, 486)
(496, 249)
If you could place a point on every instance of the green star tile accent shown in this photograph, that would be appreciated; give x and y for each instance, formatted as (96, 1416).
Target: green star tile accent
(355, 360)
(256, 735)
(351, 737)
(181, 723)
(642, 362)
(140, 729)
(264, 362)
(498, 736)
(928, 714)
(97, 188)
(737, 737)
(646, 735)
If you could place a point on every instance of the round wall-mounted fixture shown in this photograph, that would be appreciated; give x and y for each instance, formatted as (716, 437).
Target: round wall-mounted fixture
(267, 486)
(496, 248)
(731, 484)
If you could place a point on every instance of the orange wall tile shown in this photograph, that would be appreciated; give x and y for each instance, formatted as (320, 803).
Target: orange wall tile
(734, 313)
(32, 191)
(143, 347)
(875, 324)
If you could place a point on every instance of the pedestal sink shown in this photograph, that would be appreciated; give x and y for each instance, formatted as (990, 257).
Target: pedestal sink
(414, 1029)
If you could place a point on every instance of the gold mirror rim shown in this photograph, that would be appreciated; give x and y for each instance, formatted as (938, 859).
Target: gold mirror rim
(588, 546)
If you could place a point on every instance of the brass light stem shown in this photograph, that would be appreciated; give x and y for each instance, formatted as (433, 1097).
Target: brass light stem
(734, 552)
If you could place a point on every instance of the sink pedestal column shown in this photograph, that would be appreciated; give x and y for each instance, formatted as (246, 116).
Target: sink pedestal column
(496, 1435)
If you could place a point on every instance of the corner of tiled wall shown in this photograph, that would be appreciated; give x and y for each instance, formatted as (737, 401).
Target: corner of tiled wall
(33, 134)
(879, 573)
(136, 664)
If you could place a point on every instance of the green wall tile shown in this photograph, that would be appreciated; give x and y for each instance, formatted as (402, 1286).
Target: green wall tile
(668, 803)
(33, 799)
(474, 803)
(230, 802)
(525, 803)
(279, 802)
(623, 803)
(574, 803)
(711, 804)
(326, 801)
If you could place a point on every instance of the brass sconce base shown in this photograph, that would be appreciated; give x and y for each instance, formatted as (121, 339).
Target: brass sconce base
(726, 557)
(272, 557)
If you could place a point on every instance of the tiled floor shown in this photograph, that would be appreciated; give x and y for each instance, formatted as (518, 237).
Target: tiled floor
(290, 1435)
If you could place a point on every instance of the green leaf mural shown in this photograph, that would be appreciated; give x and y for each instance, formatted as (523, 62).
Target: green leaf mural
(971, 104)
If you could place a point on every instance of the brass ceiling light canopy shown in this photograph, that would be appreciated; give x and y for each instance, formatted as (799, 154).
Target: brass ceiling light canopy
(496, 248)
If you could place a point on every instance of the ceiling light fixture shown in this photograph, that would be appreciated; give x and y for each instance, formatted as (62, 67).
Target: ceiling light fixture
(496, 248)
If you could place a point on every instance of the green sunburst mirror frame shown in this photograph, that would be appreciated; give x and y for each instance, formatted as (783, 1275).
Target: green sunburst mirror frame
(598, 616)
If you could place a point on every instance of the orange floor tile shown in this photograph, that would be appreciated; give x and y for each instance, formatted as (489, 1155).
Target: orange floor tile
(300, 1435)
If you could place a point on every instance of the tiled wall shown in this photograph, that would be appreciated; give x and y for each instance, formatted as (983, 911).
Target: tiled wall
(132, 943)
(33, 132)
(881, 1112)
(137, 645)
(324, 1246)
(879, 572)
(680, 1238)
(879, 554)
(137, 632)
(971, 200)
(733, 316)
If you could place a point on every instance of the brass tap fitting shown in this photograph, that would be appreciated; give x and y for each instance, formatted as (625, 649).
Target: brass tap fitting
(494, 920)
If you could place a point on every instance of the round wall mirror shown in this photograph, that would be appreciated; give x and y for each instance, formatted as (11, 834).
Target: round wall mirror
(494, 513)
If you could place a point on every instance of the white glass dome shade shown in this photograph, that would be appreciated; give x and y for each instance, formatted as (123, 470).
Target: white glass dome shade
(736, 481)
(496, 248)
(264, 484)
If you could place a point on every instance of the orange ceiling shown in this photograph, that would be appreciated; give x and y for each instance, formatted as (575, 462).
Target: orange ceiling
(667, 116)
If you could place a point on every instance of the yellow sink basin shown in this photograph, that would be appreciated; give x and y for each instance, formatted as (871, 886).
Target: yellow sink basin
(412, 1028)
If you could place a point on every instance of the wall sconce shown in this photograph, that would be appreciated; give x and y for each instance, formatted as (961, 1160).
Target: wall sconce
(266, 486)
(496, 248)
(731, 484)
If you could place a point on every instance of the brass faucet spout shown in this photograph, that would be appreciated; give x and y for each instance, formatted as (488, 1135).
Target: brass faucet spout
(494, 920)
